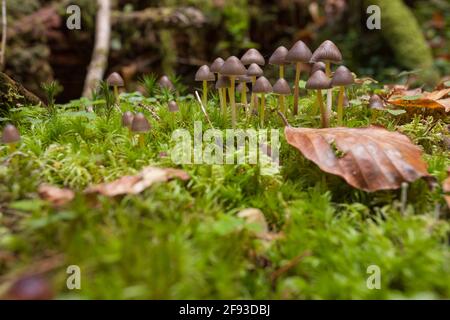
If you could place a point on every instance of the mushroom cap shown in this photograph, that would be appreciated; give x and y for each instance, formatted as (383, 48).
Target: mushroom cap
(164, 82)
(342, 77)
(253, 56)
(10, 134)
(254, 70)
(375, 102)
(204, 74)
(233, 67)
(173, 106)
(278, 57)
(318, 66)
(240, 87)
(327, 51)
(140, 123)
(281, 87)
(216, 65)
(115, 80)
(223, 82)
(262, 85)
(318, 80)
(299, 53)
(127, 119)
(243, 78)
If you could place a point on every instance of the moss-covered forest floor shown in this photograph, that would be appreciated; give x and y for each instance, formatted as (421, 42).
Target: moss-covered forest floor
(186, 240)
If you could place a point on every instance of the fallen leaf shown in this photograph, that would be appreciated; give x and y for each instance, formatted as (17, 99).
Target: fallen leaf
(429, 100)
(138, 183)
(56, 196)
(369, 159)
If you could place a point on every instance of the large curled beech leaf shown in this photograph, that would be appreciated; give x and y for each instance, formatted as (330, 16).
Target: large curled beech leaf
(369, 159)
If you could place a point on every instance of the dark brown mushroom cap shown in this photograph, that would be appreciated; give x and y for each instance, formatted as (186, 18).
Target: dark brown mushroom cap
(240, 87)
(140, 123)
(281, 87)
(253, 56)
(342, 77)
(244, 78)
(327, 51)
(115, 80)
(204, 74)
(375, 102)
(254, 70)
(223, 82)
(262, 85)
(216, 65)
(164, 82)
(173, 106)
(32, 287)
(233, 67)
(299, 53)
(318, 66)
(10, 134)
(127, 119)
(279, 56)
(318, 80)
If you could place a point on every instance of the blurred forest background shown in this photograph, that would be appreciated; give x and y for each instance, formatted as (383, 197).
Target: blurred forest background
(174, 37)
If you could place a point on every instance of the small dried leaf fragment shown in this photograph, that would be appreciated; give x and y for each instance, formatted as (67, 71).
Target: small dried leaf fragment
(138, 183)
(256, 217)
(56, 196)
(369, 159)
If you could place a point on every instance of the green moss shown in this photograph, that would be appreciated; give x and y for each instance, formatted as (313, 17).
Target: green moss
(402, 31)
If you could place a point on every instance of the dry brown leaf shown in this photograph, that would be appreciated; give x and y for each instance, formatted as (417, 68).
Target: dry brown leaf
(56, 196)
(370, 159)
(138, 183)
(428, 100)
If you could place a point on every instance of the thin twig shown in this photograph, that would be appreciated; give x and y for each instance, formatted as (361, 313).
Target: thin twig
(283, 118)
(4, 33)
(203, 109)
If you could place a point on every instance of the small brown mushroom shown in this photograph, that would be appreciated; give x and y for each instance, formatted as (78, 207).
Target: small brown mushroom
(165, 83)
(279, 58)
(319, 81)
(281, 87)
(11, 137)
(341, 78)
(115, 80)
(205, 75)
(173, 106)
(298, 54)
(215, 68)
(140, 126)
(233, 68)
(262, 86)
(254, 71)
(252, 56)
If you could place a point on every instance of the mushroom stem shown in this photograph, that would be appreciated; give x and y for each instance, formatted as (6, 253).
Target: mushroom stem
(205, 93)
(141, 140)
(244, 95)
(12, 148)
(224, 109)
(282, 104)
(281, 71)
(263, 109)
(340, 107)
(221, 100)
(233, 101)
(253, 98)
(296, 87)
(324, 116)
(116, 94)
(329, 91)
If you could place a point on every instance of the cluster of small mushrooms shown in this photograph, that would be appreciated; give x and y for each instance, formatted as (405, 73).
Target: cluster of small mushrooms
(248, 69)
